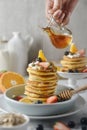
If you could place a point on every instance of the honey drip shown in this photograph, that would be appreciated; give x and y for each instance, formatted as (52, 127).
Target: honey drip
(58, 40)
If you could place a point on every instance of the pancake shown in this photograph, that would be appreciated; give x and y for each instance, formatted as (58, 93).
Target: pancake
(64, 62)
(66, 69)
(37, 72)
(40, 91)
(41, 84)
(46, 88)
(43, 79)
(82, 58)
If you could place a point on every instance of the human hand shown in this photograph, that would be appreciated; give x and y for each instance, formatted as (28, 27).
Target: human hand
(61, 10)
(52, 6)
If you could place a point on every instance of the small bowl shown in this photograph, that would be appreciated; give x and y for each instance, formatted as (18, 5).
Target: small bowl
(22, 126)
(36, 109)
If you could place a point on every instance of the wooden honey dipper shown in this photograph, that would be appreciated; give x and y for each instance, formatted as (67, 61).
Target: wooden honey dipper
(68, 93)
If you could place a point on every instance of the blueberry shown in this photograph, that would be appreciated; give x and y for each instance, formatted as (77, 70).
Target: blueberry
(71, 124)
(84, 127)
(83, 121)
(40, 127)
(66, 53)
(70, 71)
(76, 71)
(39, 59)
(38, 102)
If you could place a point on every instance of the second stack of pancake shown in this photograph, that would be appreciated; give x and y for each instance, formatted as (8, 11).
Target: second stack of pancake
(74, 62)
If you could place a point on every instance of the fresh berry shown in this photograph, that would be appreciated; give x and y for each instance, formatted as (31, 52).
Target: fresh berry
(83, 120)
(44, 64)
(52, 99)
(40, 127)
(71, 124)
(39, 59)
(17, 98)
(85, 70)
(84, 127)
(60, 126)
(38, 102)
(76, 71)
(70, 71)
(82, 52)
(66, 53)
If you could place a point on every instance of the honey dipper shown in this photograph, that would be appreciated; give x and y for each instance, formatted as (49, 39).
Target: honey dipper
(68, 93)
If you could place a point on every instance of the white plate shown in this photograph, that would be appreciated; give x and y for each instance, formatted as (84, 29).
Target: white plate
(80, 102)
(33, 109)
(72, 75)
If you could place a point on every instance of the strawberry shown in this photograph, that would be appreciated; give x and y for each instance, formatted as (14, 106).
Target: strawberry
(44, 64)
(52, 99)
(17, 98)
(60, 126)
(81, 52)
(85, 70)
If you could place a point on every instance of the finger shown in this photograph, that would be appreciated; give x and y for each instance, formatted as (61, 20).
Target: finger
(49, 5)
(59, 16)
(66, 19)
(57, 5)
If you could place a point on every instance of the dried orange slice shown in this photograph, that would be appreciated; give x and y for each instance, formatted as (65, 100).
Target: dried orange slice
(58, 68)
(42, 56)
(25, 100)
(73, 48)
(10, 79)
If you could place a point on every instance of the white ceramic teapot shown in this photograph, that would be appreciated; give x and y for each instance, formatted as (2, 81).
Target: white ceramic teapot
(18, 48)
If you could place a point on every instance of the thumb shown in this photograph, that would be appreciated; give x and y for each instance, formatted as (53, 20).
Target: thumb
(57, 5)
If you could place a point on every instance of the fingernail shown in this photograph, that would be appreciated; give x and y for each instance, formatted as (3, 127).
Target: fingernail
(50, 11)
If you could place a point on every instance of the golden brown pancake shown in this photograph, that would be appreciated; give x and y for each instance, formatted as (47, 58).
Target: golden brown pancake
(46, 88)
(65, 69)
(37, 72)
(41, 84)
(75, 58)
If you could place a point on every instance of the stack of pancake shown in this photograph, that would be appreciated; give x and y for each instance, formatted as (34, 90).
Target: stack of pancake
(42, 81)
(73, 63)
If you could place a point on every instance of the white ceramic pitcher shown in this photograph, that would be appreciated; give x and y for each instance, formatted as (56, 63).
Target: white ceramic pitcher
(4, 60)
(18, 48)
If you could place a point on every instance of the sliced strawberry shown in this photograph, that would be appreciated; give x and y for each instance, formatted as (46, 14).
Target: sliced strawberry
(52, 99)
(17, 98)
(82, 52)
(44, 64)
(85, 70)
(60, 126)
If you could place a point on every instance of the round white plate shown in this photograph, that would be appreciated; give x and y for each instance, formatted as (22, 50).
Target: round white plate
(72, 75)
(72, 78)
(80, 102)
